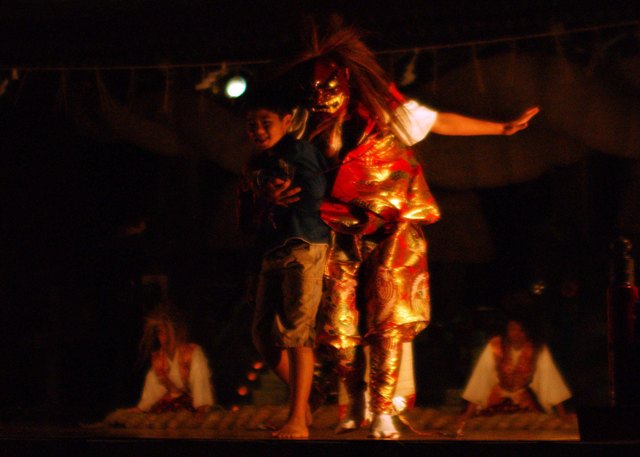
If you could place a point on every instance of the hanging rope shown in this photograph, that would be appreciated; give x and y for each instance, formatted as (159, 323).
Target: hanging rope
(409, 75)
(61, 104)
(22, 80)
(560, 51)
(166, 98)
(201, 97)
(103, 93)
(529, 37)
(131, 90)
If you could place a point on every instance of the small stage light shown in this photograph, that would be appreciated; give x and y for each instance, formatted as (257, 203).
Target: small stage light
(235, 86)
(243, 390)
(229, 84)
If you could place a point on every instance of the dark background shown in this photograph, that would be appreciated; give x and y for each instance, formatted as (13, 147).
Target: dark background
(37, 32)
(72, 306)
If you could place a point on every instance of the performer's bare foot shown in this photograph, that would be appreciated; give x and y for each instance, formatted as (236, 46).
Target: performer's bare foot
(358, 416)
(346, 425)
(382, 428)
(292, 430)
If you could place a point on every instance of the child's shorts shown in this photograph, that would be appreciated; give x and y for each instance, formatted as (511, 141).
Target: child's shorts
(288, 295)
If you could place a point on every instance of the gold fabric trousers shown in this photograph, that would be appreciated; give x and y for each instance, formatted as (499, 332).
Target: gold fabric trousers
(376, 292)
(376, 279)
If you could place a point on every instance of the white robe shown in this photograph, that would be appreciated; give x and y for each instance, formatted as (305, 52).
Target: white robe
(547, 383)
(200, 386)
(416, 120)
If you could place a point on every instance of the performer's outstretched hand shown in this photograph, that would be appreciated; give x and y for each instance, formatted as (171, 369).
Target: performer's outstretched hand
(457, 124)
(522, 122)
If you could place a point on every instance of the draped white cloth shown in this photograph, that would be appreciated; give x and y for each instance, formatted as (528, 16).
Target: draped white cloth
(199, 383)
(547, 383)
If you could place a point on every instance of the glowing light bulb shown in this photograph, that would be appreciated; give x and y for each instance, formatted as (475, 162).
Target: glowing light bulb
(235, 87)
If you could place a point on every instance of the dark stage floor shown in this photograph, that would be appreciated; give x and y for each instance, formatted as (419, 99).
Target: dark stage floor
(239, 433)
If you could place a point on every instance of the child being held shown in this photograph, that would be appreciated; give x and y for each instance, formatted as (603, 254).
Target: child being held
(292, 243)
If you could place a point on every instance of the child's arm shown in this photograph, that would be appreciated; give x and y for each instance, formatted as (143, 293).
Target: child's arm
(456, 124)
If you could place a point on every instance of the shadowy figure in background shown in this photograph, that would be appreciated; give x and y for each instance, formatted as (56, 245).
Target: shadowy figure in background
(179, 377)
(515, 373)
(132, 282)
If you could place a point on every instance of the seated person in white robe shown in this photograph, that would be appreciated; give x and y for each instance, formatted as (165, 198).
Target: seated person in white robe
(179, 377)
(514, 374)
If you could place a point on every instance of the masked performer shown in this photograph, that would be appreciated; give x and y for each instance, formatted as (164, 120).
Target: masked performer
(376, 279)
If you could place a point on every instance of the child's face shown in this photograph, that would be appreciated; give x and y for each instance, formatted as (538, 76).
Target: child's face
(265, 128)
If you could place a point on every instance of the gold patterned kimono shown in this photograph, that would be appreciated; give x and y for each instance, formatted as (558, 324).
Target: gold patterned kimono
(376, 278)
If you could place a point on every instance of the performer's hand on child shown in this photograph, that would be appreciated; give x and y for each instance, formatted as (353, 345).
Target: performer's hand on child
(279, 192)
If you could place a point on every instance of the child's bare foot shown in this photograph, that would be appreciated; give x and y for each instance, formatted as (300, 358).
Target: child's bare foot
(292, 430)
